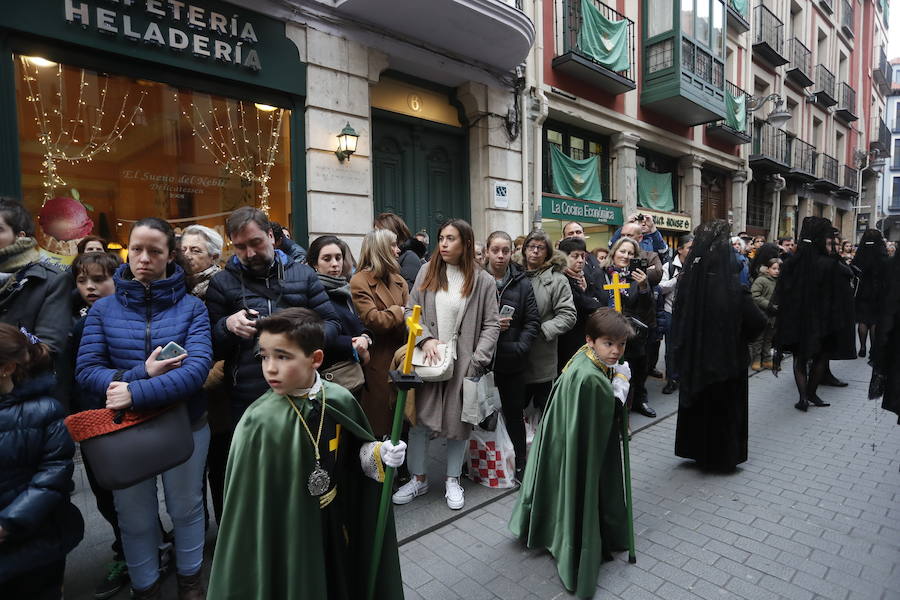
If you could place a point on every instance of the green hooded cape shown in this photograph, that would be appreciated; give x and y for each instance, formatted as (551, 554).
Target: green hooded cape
(572, 499)
(275, 543)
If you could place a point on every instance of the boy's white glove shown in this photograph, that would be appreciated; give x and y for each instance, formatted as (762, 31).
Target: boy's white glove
(391, 455)
(621, 382)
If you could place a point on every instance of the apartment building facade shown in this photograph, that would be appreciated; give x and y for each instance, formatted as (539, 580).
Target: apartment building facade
(886, 215)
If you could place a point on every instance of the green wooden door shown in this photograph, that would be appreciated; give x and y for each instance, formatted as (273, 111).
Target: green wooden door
(420, 172)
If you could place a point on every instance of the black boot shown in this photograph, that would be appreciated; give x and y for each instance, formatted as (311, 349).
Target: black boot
(670, 387)
(151, 593)
(816, 401)
(802, 404)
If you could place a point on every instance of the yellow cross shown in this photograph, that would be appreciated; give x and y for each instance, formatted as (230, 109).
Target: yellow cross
(415, 330)
(617, 288)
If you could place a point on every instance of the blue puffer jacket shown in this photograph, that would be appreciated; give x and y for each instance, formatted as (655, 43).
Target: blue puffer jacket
(123, 329)
(35, 480)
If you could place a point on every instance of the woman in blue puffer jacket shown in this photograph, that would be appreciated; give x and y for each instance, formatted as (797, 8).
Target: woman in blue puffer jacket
(38, 523)
(123, 336)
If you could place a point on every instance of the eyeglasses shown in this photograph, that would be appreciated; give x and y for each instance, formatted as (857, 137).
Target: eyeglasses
(535, 248)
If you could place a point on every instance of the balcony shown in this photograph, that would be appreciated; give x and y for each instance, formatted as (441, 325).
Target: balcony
(735, 128)
(590, 60)
(882, 143)
(803, 160)
(799, 70)
(882, 71)
(827, 173)
(770, 150)
(493, 33)
(847, 18)
(846, 106)
(827, 6)
(768, 38)
(824, 87)
(738, 15)
(849, 180)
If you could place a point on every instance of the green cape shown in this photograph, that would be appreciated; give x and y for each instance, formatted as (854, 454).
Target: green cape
(271, 540)
(572, 500)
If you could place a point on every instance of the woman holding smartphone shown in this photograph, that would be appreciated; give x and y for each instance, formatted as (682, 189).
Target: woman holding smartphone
(119, 359)
(520, 323)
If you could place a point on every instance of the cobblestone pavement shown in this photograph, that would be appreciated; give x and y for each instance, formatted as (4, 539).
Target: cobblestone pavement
(813, 513)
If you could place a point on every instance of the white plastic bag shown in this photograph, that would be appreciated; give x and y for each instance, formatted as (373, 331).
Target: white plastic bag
(492, 459)
(480, 398)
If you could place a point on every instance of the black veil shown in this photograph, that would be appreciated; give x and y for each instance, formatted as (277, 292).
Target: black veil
(707, 312)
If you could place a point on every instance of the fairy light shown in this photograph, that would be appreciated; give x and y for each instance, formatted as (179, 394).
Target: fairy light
(60, 142)
(236, 147)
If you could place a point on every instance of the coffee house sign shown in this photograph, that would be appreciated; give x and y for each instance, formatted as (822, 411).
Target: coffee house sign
(172, 24)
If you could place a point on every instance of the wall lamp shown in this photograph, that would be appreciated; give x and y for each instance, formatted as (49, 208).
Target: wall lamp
(869, 160)
(779, 115)
(347, 140)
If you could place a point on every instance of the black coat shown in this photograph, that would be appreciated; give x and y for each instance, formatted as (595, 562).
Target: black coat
(514, 343)
(586, 302)
(412, 252)
(35, 480)
(341, 347)
(235, 288)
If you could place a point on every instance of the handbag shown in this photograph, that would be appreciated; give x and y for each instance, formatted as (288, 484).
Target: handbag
(443, 370)
(480, 398)
(126, 447)
(346, 373)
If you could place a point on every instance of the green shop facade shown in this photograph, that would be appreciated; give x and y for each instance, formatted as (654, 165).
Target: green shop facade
(111, 111)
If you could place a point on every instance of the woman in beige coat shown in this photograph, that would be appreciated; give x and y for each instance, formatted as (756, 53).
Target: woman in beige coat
(458, 299)
(379, 295)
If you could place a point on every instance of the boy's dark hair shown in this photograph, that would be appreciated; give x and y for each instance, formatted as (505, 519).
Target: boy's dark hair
(572, 244)
(243, 217)
(301, 325)
(83, 262)
(774, 261)
(607, 322)
(16, 216)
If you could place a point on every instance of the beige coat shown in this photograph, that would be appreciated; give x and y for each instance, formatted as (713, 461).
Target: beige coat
(439, 405)
(381, 308)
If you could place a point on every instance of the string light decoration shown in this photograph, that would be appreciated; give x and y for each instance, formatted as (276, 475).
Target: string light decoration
(236, 146)
(74, 138)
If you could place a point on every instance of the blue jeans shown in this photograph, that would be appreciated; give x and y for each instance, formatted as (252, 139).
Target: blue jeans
(138, 510)
(417, 453)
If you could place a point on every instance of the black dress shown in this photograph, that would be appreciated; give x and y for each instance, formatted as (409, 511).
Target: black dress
(886, 348)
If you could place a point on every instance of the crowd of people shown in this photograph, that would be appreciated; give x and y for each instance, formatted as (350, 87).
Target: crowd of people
(279, 356)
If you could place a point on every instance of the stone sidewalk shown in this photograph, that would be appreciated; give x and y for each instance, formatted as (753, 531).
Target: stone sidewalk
(814, 513)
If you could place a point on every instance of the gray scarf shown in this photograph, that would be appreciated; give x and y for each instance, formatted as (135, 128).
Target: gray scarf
(335, 286)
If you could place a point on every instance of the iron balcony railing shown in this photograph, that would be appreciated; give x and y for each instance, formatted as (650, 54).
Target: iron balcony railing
(572, 22)
(769, 29)
(824, 81)
(850, 179)
(847, 17)
(846, 98)
(884, 136)
(771, 143)
(803, 157)
(881, 73)
(828, 169)
(801, 57)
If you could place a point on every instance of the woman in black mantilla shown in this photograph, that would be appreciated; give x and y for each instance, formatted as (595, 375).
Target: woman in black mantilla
(714, 320)
(886, 343)
(815, 309)
(872, 261)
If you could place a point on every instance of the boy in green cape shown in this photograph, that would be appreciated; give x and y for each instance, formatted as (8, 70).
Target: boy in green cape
(572, 499)
(301, 496)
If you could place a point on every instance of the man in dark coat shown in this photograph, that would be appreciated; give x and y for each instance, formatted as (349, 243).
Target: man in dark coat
(256, 282)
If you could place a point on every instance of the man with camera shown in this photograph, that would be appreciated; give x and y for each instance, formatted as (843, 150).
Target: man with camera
(651, 239)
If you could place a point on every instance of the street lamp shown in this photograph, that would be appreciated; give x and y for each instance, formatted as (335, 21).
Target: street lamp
(778, 117)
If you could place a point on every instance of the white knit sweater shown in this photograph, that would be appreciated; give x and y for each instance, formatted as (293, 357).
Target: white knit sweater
(448, 303)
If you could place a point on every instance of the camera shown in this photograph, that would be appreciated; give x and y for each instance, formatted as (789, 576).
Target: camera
(639, 218)
(638, 263)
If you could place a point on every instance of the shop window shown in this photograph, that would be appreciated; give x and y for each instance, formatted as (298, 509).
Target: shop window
(759, 213)
(576, 144)
(100, 151)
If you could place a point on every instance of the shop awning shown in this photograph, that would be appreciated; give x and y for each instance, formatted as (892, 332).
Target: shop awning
(575, 178)
(603, 40)
(655, 190)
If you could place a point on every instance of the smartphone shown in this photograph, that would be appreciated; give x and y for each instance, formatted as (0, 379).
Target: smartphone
(507, 311)
(171, 350)
(638, 263)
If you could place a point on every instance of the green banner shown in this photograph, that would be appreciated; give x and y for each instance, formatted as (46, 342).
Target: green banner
(736, 111)
(575, 178)
(603, 40)
(564, 209)
(739, 5)
(655, 190)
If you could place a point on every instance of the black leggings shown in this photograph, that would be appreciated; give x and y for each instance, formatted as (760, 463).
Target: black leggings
(808, 374)
(514, 399)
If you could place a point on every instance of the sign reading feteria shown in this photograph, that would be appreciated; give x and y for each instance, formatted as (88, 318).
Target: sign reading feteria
(669, 221)
(175, 25)
(568, 209)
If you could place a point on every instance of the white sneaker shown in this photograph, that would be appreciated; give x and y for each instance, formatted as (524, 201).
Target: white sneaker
(454, 494)
(409, 490)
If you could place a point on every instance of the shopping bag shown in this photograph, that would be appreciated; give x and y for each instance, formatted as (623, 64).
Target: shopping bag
(492, 459)
(480, 398)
